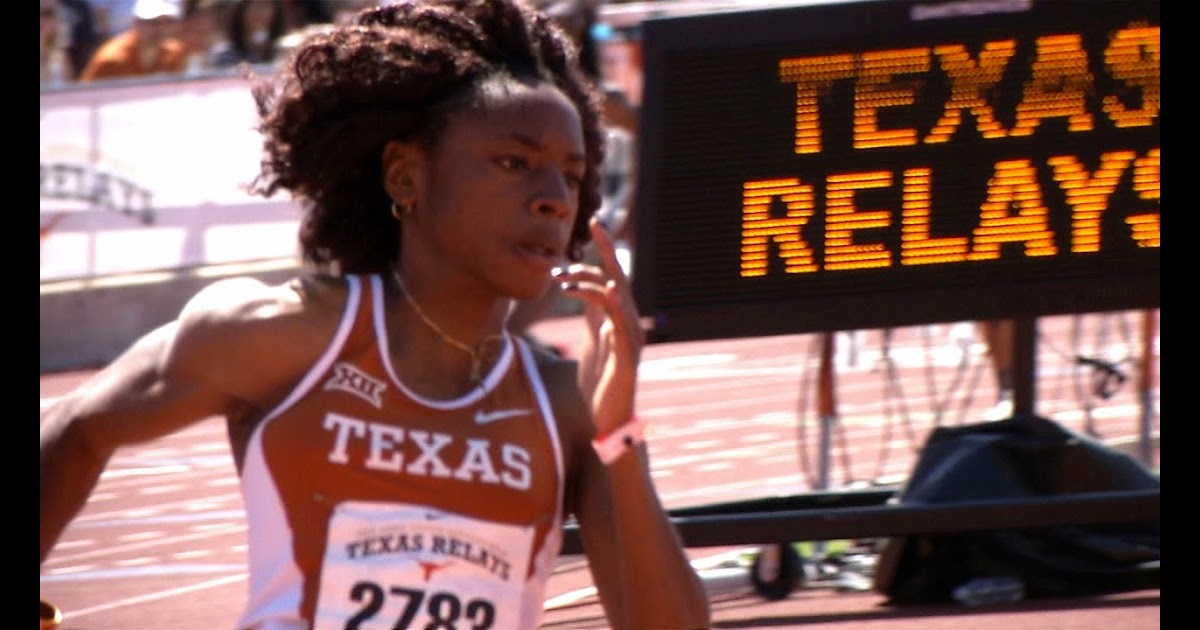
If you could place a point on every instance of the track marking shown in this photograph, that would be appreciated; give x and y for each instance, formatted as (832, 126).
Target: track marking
(145, 544)
(149, 597)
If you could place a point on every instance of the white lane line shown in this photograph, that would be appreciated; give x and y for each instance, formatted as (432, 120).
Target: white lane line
(160, 489)
(145, 544)
(216, 499)
(142, 567)
(149, 597)
(196, 517)
(570, 598)
(118, 473)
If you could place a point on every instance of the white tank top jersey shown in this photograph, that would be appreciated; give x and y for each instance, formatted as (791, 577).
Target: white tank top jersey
(370, 506)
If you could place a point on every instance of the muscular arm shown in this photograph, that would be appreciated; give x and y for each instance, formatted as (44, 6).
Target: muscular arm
(637, 559)
(172, 377)
(131, 400)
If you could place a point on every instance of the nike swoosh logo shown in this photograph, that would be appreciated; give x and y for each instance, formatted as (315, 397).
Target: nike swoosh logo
(487, 417)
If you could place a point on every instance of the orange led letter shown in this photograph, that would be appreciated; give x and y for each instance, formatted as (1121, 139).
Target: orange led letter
(916, 248)
(813, 76)
(1059, 86)
(1146, 178)
(1013, 185)
(759, 229)
(1088, 194)
(843, 218)
(875, 89)
(1133, 56)
(970, 80)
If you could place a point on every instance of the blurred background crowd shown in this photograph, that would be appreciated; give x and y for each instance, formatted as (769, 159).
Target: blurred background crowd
(89, 40)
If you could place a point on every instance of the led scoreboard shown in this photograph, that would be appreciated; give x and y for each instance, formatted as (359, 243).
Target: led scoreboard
(876, 163)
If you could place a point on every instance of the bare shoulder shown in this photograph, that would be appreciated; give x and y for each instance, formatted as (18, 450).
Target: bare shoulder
(251, 339)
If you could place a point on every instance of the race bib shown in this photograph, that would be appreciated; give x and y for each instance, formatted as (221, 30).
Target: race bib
(400, 566)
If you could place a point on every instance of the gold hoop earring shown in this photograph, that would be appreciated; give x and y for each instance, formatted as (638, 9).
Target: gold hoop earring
(401, 212)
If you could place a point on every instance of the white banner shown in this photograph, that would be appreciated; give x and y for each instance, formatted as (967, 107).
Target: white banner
(152, 176)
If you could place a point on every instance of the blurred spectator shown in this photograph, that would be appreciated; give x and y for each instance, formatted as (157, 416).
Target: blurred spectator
(150, 46)
(998, 334)
(200, 33)
(581, 19)
(56, 62)
(82, 37)
(112, 17)
(345, 8)
(253, 28)
(296, 36)
(318, 19)
(577, 18)
(300, 14)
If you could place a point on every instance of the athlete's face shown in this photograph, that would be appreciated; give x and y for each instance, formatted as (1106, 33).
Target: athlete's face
(502, 189)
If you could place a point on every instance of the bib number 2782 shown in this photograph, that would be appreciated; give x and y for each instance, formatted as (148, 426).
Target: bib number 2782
(445, 610)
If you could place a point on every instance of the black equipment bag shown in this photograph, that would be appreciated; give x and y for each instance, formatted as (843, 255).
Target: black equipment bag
(1017, 458)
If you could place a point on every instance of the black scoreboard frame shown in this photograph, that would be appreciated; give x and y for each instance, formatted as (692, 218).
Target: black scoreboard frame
(800, 169)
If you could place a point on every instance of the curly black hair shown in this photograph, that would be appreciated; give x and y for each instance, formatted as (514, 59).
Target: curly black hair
(395, 72)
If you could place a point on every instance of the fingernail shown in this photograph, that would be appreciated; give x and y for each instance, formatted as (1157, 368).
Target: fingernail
(557, 271)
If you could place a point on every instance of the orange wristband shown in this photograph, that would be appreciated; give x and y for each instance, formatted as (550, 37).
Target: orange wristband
(612, 446)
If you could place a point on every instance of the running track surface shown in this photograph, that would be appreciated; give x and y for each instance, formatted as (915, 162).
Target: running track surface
(160, 543)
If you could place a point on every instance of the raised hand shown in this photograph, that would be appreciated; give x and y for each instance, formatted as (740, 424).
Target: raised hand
(613, 341)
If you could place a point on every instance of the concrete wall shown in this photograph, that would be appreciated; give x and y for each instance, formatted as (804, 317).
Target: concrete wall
(87, 323)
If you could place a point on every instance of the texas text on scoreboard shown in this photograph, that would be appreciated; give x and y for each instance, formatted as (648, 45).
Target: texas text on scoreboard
(846, 165)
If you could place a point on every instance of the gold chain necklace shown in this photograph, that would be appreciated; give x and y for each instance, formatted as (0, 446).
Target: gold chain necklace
(476, 352)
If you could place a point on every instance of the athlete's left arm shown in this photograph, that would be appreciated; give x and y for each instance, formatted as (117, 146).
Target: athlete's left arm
(636, 556)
